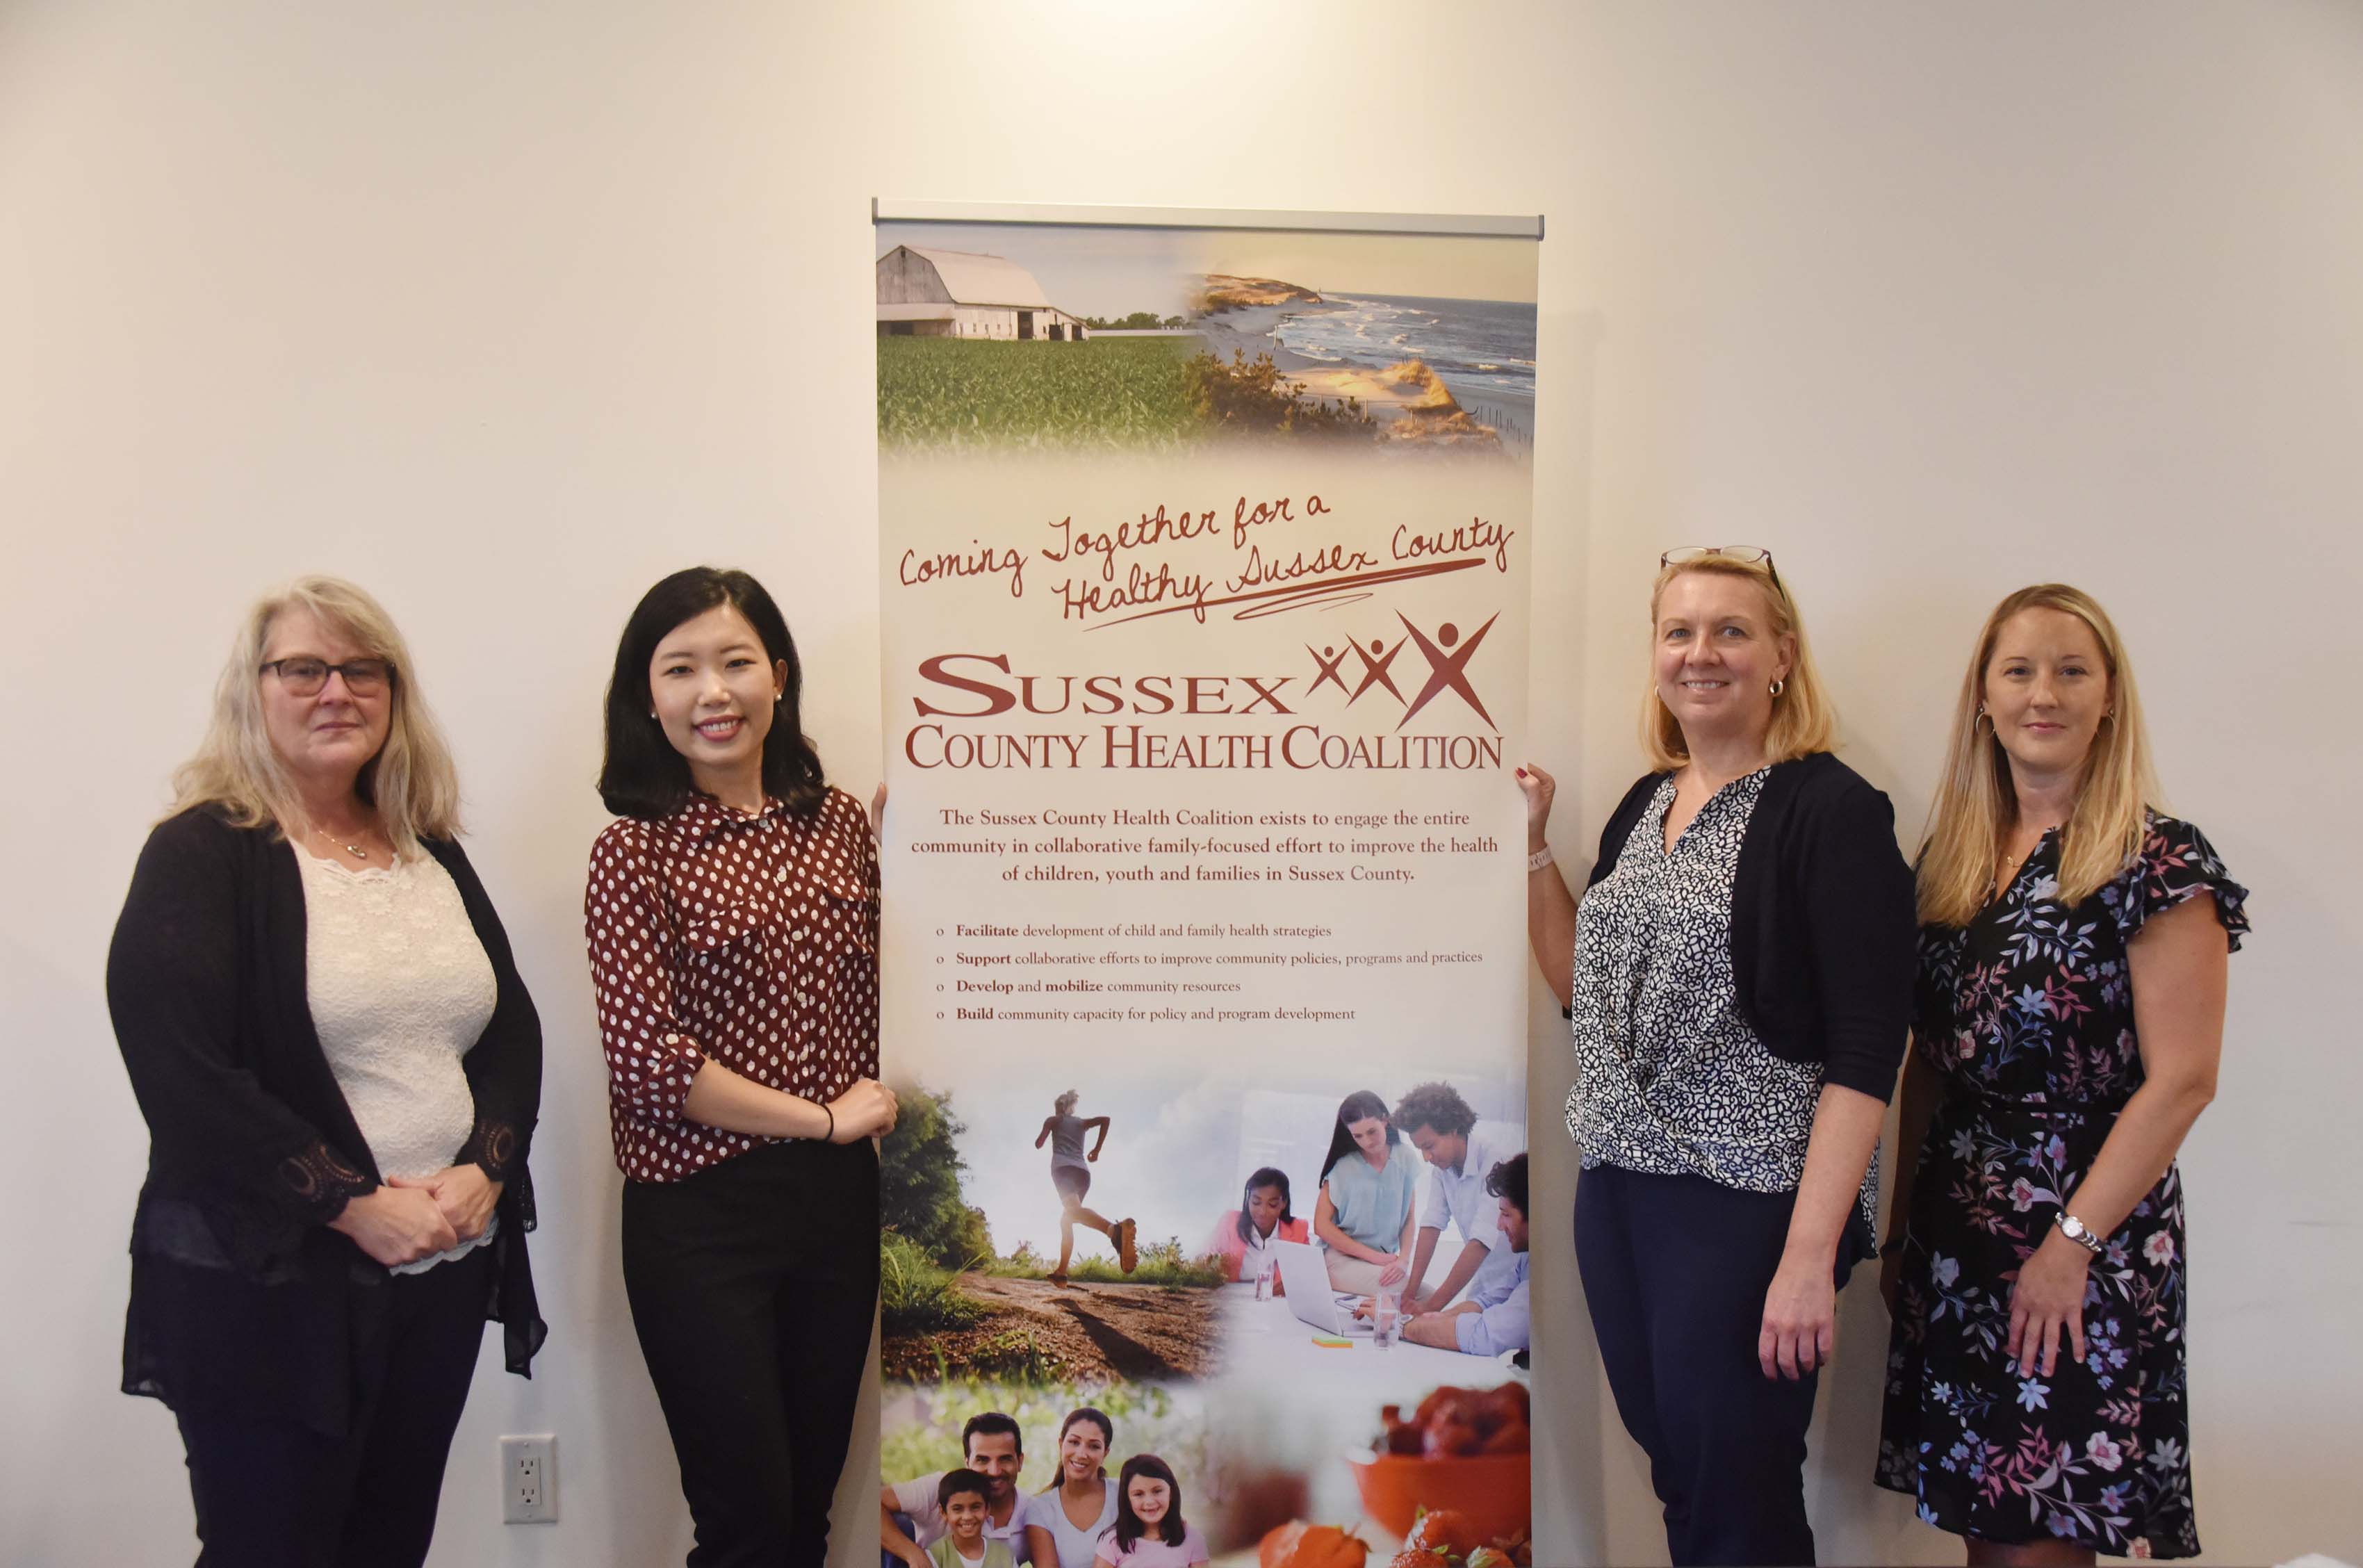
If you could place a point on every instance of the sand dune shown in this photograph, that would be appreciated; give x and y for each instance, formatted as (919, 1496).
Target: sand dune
(1225, 292)
(1410, 396)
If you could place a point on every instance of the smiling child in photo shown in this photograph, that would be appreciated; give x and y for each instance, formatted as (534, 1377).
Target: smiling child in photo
(965, 1496)
(1149, 1531)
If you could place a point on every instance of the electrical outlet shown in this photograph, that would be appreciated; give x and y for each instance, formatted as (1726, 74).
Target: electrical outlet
(530, 1480)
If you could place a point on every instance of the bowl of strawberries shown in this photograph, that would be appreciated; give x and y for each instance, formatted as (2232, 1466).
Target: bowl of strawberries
(1457, 1469)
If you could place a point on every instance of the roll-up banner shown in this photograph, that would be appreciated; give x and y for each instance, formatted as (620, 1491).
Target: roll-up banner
(1203, 555)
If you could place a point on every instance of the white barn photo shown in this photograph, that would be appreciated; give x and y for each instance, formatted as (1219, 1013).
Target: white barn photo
(960, 293)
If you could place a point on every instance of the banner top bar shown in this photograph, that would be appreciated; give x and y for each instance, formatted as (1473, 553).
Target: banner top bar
(882, 210)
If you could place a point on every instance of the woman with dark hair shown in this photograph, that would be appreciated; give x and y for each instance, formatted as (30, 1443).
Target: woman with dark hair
(732, 916)
(1065, 1521)
(1150, 1531)
(1367, 1182)
(1243, 1238)
(340, 1071)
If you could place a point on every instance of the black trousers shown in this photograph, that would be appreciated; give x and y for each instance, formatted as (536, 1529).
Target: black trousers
(753, 1284)
(1675, 1269)
(280, 1495)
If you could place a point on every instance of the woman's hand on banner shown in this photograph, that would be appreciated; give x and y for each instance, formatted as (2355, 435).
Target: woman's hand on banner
(1540, 788)
(866, 1110)
(878, 811)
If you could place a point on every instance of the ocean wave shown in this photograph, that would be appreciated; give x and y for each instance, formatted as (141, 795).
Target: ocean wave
(1485, 348)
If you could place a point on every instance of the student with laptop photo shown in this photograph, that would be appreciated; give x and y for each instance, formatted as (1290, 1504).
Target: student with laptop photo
(1243, 1238)
(1369, 1180)
(1495, 1319)
(1461, 1152)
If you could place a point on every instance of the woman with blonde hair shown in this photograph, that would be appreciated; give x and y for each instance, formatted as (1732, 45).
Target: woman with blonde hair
(2069, 1016)
(1738, 975)
(341, 1068)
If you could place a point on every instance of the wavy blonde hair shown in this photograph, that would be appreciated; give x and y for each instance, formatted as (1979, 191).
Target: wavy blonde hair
(1976, 806)
(410, 783)
(1803, 720)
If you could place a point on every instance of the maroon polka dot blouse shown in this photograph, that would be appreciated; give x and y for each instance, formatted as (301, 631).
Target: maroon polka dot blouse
(749, 940)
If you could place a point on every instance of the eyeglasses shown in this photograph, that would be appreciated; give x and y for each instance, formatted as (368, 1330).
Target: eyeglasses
(1744, 554)
(304, 677)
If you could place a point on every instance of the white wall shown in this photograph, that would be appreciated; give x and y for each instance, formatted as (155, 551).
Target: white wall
(506, 309)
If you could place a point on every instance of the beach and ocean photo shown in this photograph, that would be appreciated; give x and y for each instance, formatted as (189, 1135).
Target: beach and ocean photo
(1004, 337)
(1421, 371)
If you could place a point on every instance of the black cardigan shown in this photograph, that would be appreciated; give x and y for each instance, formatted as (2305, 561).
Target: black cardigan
(1823, 935)
(242, 1299)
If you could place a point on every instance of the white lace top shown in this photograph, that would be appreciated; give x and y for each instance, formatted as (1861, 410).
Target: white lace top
(400, 990)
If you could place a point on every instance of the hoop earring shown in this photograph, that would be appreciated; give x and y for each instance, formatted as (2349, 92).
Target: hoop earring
(1778, 687)
(1983, 715)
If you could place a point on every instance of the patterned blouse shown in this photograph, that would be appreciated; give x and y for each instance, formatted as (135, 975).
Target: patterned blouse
(1670, 1079)
(749, 940)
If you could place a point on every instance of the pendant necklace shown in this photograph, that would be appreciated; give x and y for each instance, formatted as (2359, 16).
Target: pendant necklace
(353, 850)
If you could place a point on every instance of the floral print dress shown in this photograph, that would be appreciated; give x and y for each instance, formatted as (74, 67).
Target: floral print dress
(2027, 1015)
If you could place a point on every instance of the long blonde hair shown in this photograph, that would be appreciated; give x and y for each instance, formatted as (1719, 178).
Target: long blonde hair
(1976, 806)
(410, 783)
(1803, 720)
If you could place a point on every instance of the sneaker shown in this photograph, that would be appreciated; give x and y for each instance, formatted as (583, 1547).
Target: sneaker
(1058, 1279)
(1126, 1254)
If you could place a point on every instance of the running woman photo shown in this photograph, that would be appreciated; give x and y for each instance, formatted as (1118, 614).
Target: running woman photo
(1071, 1172)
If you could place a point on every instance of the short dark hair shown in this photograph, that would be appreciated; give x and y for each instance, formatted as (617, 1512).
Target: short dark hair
(1508, 1180)
(1437, 1106)
(992, 1424)
(642, 776)
(1268, 1176)
(1128, 1526)
(956, 1481)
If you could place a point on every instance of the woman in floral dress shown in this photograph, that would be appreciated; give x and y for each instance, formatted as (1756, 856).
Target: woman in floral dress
(2068, 1018)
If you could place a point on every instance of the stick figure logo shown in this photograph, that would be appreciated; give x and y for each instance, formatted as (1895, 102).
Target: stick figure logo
(1447, 670)
(1374, 667)
(1328, 659)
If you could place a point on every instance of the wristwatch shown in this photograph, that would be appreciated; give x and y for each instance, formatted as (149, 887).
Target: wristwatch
(2076, 1230)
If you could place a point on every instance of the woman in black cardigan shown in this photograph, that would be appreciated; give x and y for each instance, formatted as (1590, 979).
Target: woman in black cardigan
(339, 1067)
(1738, 977)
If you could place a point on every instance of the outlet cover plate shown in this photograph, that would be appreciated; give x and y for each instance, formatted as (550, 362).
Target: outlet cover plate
(530, 1480)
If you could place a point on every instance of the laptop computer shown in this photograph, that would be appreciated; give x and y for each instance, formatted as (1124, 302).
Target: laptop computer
(1305, 1273)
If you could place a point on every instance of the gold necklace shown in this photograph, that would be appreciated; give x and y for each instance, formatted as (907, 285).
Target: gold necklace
(353, 850)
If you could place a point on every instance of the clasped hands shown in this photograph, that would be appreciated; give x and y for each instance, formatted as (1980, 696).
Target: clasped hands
(412, 1217)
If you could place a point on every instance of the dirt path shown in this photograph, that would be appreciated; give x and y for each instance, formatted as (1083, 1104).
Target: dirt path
(1081, 1331)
